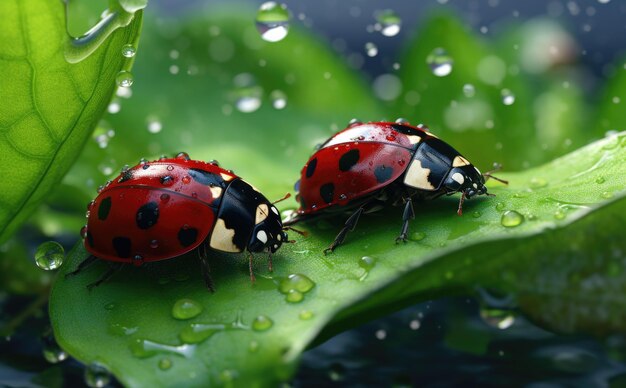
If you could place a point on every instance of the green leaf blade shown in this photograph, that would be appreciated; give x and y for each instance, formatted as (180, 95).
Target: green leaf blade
(51, 106)
(452, 255)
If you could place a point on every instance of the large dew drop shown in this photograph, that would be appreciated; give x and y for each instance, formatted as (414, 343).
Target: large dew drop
(186, 309)
(124, 79)
(279, 99)
(295, 286)
(272, 21)
(371, 49)
(49, 255)
(262, 323)
(440, 62)
(389, 22)
(247, 94)
(97, 375)
(508, 98)
(128, 51)
(511, 218)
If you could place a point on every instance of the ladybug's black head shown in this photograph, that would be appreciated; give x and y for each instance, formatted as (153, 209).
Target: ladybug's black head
(268, 234)
(466, 179)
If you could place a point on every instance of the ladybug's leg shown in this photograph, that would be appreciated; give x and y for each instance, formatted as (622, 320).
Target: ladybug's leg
(407, 216)
(113, 268)
(348, 227)
(83, 265)
(204, 267)
(250, 257)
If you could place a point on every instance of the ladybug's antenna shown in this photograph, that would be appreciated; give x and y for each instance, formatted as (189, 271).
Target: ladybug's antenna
(460, 209)
(282, 199)
(496, 167)
(300, 232)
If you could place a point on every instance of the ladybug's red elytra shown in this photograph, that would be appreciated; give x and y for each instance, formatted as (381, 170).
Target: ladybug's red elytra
(165, 208)
(368, 165)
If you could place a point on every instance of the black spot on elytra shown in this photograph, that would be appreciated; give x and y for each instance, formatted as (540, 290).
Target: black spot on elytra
(147, 215)
(310, 168)
(126, 175)
(122, 246)
(90, 239)
(104, 208)
(327, 191)
(187, 236)
(205, 177)
(348, 159)
(383, 173)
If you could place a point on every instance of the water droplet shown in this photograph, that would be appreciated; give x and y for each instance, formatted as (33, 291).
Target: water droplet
(401, 120)
(143, 348)
(186, 309)
(51, 350)
(607, 194)
(154, 125)
(389, 22)
(367, 263)
(305, 315)
(604, 1)
(498, 318)
(511, 218)
(262, 323)
(247, 94)
(165, 364)
(600, 180)
(128, 50)
(97, 375)
(83, 231)
(476, 214)
(124, 79)
(381, 334)
(165, 197)
(469, 90)
(170, 167)
(537, 183)
(337, 371)
(371, 49)
(508, 98)
(183, 156)
(294, 286)
(199, 332)
(354, 122)
(294, 296)
(559, 214)
(272, 21)
(415, 324)
(499, 206)
(440, 62)
(279, 99)
(418, 236)
(186, 180)
(214, 162)
(50, 255)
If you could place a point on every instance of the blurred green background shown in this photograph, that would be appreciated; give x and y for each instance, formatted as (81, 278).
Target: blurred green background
(517, 84)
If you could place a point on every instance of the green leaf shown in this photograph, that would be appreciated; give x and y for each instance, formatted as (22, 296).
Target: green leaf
(573, 208)
(49, 105)
(611, 115)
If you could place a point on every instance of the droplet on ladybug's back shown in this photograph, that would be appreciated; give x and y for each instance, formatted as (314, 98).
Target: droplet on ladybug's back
(165, 197)
(90, 205)
(183, 156)
(170, 167)
(83, 232)
(214, 162)
(401, 120)
(391, 138)
(154, 244)
(354, 122)
(186, 179)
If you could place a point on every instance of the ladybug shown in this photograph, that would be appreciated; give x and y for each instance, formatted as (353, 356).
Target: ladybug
(165, 208)
(368, 165)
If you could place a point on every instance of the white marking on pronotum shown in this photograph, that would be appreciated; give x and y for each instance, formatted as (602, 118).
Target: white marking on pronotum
(413, 139)
(417, 176)
(222, 238)
(279, 237)
(216, 191)
(261, 213)
(475, 186)
(261, 236)
(460, 161)
(458, 178)
(275, 210)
